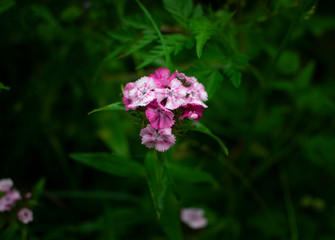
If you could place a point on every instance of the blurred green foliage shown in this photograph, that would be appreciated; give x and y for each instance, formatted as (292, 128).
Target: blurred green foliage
(268, 67)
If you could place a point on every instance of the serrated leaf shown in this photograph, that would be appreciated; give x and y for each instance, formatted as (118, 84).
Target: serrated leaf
(233, 67)
(223, 18)
(137, 22)
(199, 127)
(110, 163)
(188, 174)
(122, 35)
(212, 82)
(154, 54)
(118, 106)
(180, 10)
(177, 42)
(234, 76)
(6, 5)
(203, 29)
(148, 37)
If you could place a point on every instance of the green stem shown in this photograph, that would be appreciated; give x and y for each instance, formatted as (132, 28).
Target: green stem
(167, 55)
(289, 206)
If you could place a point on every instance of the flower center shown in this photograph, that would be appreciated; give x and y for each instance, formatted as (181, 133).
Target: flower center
(156, 137)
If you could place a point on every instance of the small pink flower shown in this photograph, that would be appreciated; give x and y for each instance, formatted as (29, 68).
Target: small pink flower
(25, 215)
(161, 139)
(139, 93)
(175, 94)
(6, 185)
(159, 116)
(194, 218)
(193, 112)
(8, 201)
(28, 195)
(161, 77)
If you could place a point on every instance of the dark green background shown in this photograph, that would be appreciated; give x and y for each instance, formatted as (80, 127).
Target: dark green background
(62, 60)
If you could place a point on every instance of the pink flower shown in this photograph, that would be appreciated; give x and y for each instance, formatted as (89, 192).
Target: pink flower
(28, 195)
(159, 116)
(139, 93)
(193, 112)
(126, 97)
(196, 94)
(194, 218)
(7, 202)
(175, 94)
(161, 77)
(6, 185)
(161, 139)
(25, 215)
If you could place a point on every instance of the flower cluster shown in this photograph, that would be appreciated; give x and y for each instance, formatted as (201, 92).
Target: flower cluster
(194, 218)
(164, 99)
(10, 197)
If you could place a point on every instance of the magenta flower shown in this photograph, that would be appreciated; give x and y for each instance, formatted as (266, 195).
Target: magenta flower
(194, 218)
(162, 96)
(193, 112)
(6, 185)
(139, 93)
(25, 215)
(159, 116)
(161, 139)
(8, 201)
(162, 77)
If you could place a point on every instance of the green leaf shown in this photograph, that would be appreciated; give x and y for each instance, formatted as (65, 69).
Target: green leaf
(203, 29)
(6, 5)
(233, 68)
(234, 76)
(170, 218)
(177, 42)
(212, 82)
(110, 163)
(188, 174)
(46, 15)
(305, 76)
(118, 106)
(38, 189)
(112, 132)
(223, 18)
(180, 10)
(3, 87)
(154, 54)
(288, 63)
(308, 4)
(157, 181)
(148, 15)
(199, 127)
(148, 37)
(71, 13)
